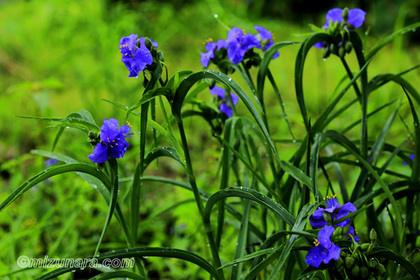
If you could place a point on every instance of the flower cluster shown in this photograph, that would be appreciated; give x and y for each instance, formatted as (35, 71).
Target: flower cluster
(236, 45)
(324, 249)
(112, 141)
(135, 54)
(228, 103)
(338, 23)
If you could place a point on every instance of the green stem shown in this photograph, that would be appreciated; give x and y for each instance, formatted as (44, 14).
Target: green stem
(137, 181)
(350, 74)
(113, 199)
(200, 205)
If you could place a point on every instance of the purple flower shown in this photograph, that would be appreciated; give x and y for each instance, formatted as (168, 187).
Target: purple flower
(225, 107)
(324, 249)
(113, 143)
(411, 157)
(334, 211)
(209, 54)
(266, 39)
(238, 43)
(135, 58)
(356, 17)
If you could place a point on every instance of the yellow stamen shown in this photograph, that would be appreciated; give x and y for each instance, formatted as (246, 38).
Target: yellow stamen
(129, 124)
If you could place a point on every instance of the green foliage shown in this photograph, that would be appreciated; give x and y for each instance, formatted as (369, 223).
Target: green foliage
(207, 195)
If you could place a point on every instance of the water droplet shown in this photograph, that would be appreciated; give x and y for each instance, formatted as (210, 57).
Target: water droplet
(414, 30)
(324, 59)
(145, 257)
(216, 16)
(208, 244)
(230, 79)
(237, 243)
(294, 141)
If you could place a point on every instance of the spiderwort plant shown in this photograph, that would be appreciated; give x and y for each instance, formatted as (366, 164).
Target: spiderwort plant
(268, 184)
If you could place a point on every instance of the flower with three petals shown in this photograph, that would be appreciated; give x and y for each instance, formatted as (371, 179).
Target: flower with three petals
(135, 58)
(324, 250)
(112, 141)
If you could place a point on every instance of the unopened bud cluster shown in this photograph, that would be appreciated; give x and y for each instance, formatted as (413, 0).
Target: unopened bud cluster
(354, 263)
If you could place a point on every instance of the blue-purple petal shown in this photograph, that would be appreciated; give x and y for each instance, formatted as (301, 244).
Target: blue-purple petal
(234, 52)
(109, 130)
(155, 44)
(250, 41)
(324, 236)
(348, 207)
(100, 153)
(235, 99)
(264, 33)
(221, 44)
(317, 219)
(335, 14)
(205, 58)
(332, 254)
(315, 256)
(220, 92)
(356, 17)
(234, 35)
(224, 108)
(50, 162)
(319, 45)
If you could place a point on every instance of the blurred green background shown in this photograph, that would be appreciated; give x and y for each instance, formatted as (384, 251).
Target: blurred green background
(61, 56)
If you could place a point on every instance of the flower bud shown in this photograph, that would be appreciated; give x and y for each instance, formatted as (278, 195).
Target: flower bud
(355, 271)
(337, 26)
(349, 262)
(346, 229)
(325, 56)
(364, 247)
(92, 135)
(338, 231)
(372, 235)
(372, 263)
(349, 47)
(341, 52)
(339, 263)
(327, 217)
(364, 272)
(381, 270)
(148, 43)
(345, 14)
